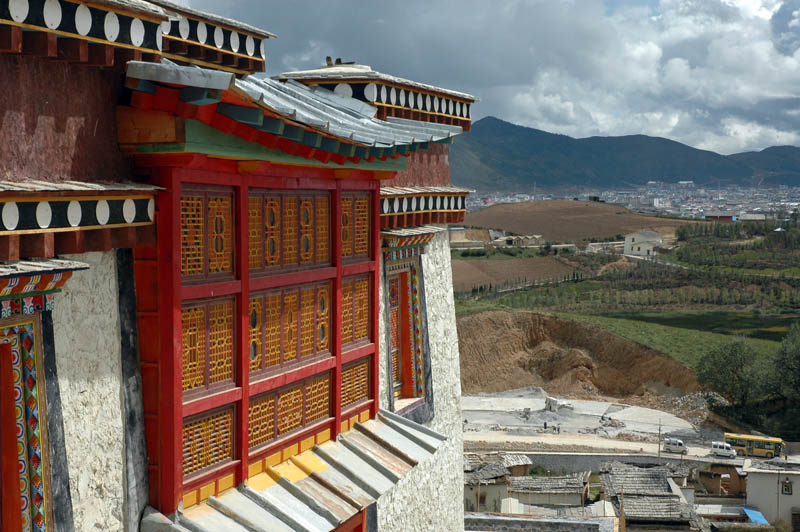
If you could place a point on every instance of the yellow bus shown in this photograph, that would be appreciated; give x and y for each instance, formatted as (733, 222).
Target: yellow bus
(749, 445)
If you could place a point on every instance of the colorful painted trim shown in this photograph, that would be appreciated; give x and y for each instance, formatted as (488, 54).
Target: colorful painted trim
(416, 329)
(38, 215)
(395, 254)
(17, 287)
(392, 206)
(31, 424)
(26, 306)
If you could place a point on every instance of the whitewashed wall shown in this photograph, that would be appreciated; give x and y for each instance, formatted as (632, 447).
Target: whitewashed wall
(431, 496)
(87, 343)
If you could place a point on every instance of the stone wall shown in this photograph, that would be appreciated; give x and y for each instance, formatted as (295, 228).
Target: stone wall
(485, 522)
(87, 344)
(426, 168)
(431, 496)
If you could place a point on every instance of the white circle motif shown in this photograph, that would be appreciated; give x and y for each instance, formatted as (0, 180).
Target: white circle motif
(159, 37)
(111, 26)
(10, 215)
(18, 10)
(102, 212)
(128, 210)
(183, 27)
(83, 19)
(393, 96)
(137, 32)
(74, 213)
(151, 209)
(428, 102)
(52, 14)
(219, 37)
(370, 92)
(405, 205)
(385, 205)
(343, 89)
(383, 94)
(202, 32)
(250, 45)
(396, 205)
(234, 41)
(263, 48)
(44, 214)
(402, 98)
(414, 203)
(166, 26)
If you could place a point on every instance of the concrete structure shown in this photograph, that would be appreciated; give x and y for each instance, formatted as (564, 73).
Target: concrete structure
(642, 243)
(572, 490)
(773, 487)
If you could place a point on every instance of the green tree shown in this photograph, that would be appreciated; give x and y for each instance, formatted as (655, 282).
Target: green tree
(730, 370)
(787, 363)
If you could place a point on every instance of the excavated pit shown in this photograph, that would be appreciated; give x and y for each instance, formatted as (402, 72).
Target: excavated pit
(503, 351)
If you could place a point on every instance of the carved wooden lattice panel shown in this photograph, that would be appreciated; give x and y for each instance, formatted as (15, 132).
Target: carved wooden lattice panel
(273, 230)
(192, 236)
(193, 347)
(361, 231)
(290, 409)
(289, 223)
(207, 441)
(255, 222)
(355, 383)
(347, 227)
(347, 312)
(323, 318)
(220, 325)
(256, 332)
(361, 296)
(220, 234)
(322, 220)
(306, 229)
(307, 315)
(290, 323)
(262, 420)
(318, 399)
(273, 354)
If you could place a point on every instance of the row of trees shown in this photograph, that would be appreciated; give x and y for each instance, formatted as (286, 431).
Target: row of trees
(736, 372)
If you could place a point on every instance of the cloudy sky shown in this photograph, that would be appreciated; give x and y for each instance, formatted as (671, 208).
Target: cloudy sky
(722, 75)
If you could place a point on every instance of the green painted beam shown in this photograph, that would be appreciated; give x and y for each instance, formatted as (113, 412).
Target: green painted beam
(206, 140)
(245, 115)
(199, 96)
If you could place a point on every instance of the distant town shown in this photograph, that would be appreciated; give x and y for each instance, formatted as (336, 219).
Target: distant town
(682, 199)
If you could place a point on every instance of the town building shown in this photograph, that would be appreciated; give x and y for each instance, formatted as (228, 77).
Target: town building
(217, 310)
(773, 487)
(643, 243)
(571, 490)
(485, 487)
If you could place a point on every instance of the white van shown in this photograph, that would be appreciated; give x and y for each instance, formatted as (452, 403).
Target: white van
(674, 445)
(723, 449)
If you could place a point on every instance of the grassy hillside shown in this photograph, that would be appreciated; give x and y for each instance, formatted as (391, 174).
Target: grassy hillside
(497, 155)
(683, 344)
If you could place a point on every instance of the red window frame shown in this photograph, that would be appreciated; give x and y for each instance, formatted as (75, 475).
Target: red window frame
(159, 270)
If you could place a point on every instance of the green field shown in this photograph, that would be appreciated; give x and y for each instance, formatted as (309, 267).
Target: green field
(684, 344)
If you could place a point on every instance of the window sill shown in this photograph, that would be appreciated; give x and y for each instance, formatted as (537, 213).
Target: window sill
(403, 406)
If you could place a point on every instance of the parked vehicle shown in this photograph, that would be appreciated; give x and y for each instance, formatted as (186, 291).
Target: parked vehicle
(749, 445)
(674, 445)
(720, 448)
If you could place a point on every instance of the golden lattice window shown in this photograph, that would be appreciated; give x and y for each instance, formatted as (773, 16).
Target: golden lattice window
(207, 334)
(347, 226)
(290, 409)
(290, 324)
(307, 230)
(323, 318)
(347, 311)
(273, 230)
(192, 235)
(361, 309)
(261, 426)
(207, 233)
(255, 221)
(355, 383)
(207, 441)
(289, 222)
(220, 234)
(307, 315)
(323, 228)
(361, 231)
(318, 399)
(256, 332)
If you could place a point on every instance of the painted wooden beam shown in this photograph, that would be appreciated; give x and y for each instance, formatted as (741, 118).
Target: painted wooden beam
(123, 55)
(123, 237)
(276, 126)
(40, 43)
(73, 50)
(101, 55)
(37, 245)
(69, 242)
(200, 97)
(9, 247)
(98, 240)
(140, 85)
(146, 235)
(294, 133)
(246, 115)
(313, 140)
(10, 39)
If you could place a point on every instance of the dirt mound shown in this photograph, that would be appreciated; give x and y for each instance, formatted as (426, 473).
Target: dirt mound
(507, 350)
(620, 265)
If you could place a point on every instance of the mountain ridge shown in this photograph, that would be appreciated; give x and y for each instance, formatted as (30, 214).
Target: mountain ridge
(499, 155)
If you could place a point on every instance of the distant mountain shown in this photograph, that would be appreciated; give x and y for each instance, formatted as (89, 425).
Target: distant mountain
(498, 155)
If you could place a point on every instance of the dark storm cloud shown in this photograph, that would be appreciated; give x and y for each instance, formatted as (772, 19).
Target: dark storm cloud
(717, 74)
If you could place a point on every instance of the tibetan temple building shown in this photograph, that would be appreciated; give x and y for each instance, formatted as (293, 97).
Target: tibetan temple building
(225, 299)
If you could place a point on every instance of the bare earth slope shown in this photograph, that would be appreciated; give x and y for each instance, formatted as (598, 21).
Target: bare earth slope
(567, 221)
(470, 273)
(508, 350)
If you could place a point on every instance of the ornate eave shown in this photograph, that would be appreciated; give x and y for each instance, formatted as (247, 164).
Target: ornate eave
(415, 206)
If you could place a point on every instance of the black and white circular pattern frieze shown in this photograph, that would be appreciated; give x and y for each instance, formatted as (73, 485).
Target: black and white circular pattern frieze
(33, 215)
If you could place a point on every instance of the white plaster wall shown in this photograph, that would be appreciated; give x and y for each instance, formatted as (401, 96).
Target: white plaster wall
(87, 342)
(764, 493)
(431, 496)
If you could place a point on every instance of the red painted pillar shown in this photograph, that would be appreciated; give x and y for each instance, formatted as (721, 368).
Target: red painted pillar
(336, 330)
(242, 346)
(375, 227)
(11, 514)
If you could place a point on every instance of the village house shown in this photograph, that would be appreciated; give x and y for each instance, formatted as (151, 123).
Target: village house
(643, 243)
(773, 487)
(570, 490)
(225, 300)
